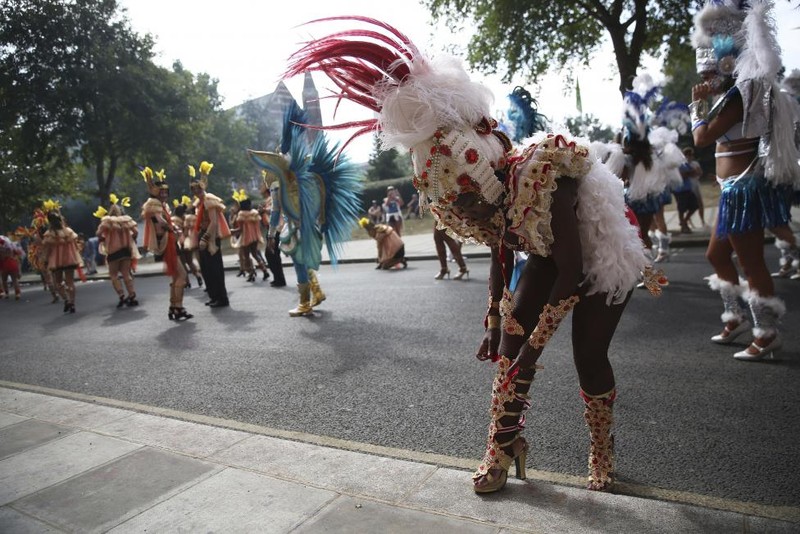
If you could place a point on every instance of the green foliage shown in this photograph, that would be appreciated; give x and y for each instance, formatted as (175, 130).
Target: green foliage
(531, 37)
(589, 127)
(387, 164)
(80, 97)
(681, 73)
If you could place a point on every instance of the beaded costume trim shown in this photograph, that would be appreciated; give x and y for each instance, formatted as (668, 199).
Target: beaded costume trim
(549, 320)
(531, 185)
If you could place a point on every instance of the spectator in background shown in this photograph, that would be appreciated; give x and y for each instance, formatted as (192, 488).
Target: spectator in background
(90, 254)
(694, 179)
(685, 197)
(412, 209)
(392, 205)
(376, 213)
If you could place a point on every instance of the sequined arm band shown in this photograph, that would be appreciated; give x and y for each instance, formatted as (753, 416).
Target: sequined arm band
(492, 321)
(549, 320)
(511, 326)
(699, 111)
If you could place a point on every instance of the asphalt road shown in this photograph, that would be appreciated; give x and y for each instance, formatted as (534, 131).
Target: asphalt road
(388, 359)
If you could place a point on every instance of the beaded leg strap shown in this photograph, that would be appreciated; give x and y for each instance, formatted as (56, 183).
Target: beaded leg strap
(509, 401)
(599, 417)
(549, 320)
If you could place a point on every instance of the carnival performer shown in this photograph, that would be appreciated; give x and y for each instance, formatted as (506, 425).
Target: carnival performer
(653, 160)
(183, 220)
(245, 265)
(60, 243)
(250, 238)
(37, 255)
(785, 240)
(442, 242)
(117, 233)
(271, 251)
(391, 249)
(189, 250)
(751, 123)
(210, 229)
(554, 202)
(160, 238)
(10, 256)
(318, 197)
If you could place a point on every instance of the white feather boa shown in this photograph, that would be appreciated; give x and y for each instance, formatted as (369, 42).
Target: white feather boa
(613, 254)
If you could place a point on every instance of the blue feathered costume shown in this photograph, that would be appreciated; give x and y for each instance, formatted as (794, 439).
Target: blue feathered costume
(317, 193)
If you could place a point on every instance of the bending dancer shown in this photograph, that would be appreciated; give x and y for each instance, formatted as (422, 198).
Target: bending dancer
(756, 185)
(160, 239)
(551, 200)
(117, 233)
(318, 196)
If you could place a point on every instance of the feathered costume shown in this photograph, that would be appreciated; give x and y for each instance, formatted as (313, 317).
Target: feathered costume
(318, 197)
(433, 109)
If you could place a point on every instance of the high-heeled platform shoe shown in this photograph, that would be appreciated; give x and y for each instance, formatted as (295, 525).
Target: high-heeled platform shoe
(178, 314)
(442, 274)
(251, 277)
(131, 300)
(71, 307)
(728, 335)
(495, 478)
(755, 352)
(462, 272)
(121, 302)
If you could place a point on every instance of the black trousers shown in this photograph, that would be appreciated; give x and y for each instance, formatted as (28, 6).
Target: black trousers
(214, 274)
(275, 265)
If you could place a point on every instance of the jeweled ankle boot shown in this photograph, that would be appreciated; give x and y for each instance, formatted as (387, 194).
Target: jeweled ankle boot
(504, 445)
(599, 416)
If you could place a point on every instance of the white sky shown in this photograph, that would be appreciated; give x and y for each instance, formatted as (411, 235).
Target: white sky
(245, 43)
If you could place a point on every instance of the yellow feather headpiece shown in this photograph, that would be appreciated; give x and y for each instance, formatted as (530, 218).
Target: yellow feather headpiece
(154, 181)
(205, 168)
(363, 222)
(51, 205)
(100, 212)
(239, 195)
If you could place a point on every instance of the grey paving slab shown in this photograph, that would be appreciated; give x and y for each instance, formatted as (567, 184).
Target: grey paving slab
(76, 413)
(542, 507)
(189, 438)
(232, 501)
(107, 495)
(13, 522)
(20, 402)
(345, 471)
(54, 462)
(349, 514)
(7, 419)
(27, 434)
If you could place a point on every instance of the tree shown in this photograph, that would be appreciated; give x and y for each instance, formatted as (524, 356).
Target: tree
(385, 164)
(589, 127)
(529, 37)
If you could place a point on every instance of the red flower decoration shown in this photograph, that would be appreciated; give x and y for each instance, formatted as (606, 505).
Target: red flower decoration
(424, 175)
(433, 150)
(428, 163)
(445, 150)
(464, 180)
(471, 155)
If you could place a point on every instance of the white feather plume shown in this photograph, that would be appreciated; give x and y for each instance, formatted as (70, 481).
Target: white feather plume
(761, 55)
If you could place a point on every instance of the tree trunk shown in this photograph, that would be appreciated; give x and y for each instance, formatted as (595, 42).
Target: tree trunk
(99, 171)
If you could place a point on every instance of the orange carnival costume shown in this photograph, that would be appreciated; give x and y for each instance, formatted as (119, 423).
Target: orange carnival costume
(160, 239)
(249, 223)
(60, 244)
(117, 233)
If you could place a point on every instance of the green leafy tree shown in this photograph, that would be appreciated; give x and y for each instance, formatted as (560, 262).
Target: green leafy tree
(589, 127)
(530, 37)
(385, 164)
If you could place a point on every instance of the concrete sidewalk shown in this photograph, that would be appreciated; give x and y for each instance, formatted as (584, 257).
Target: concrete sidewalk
(72, 463)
